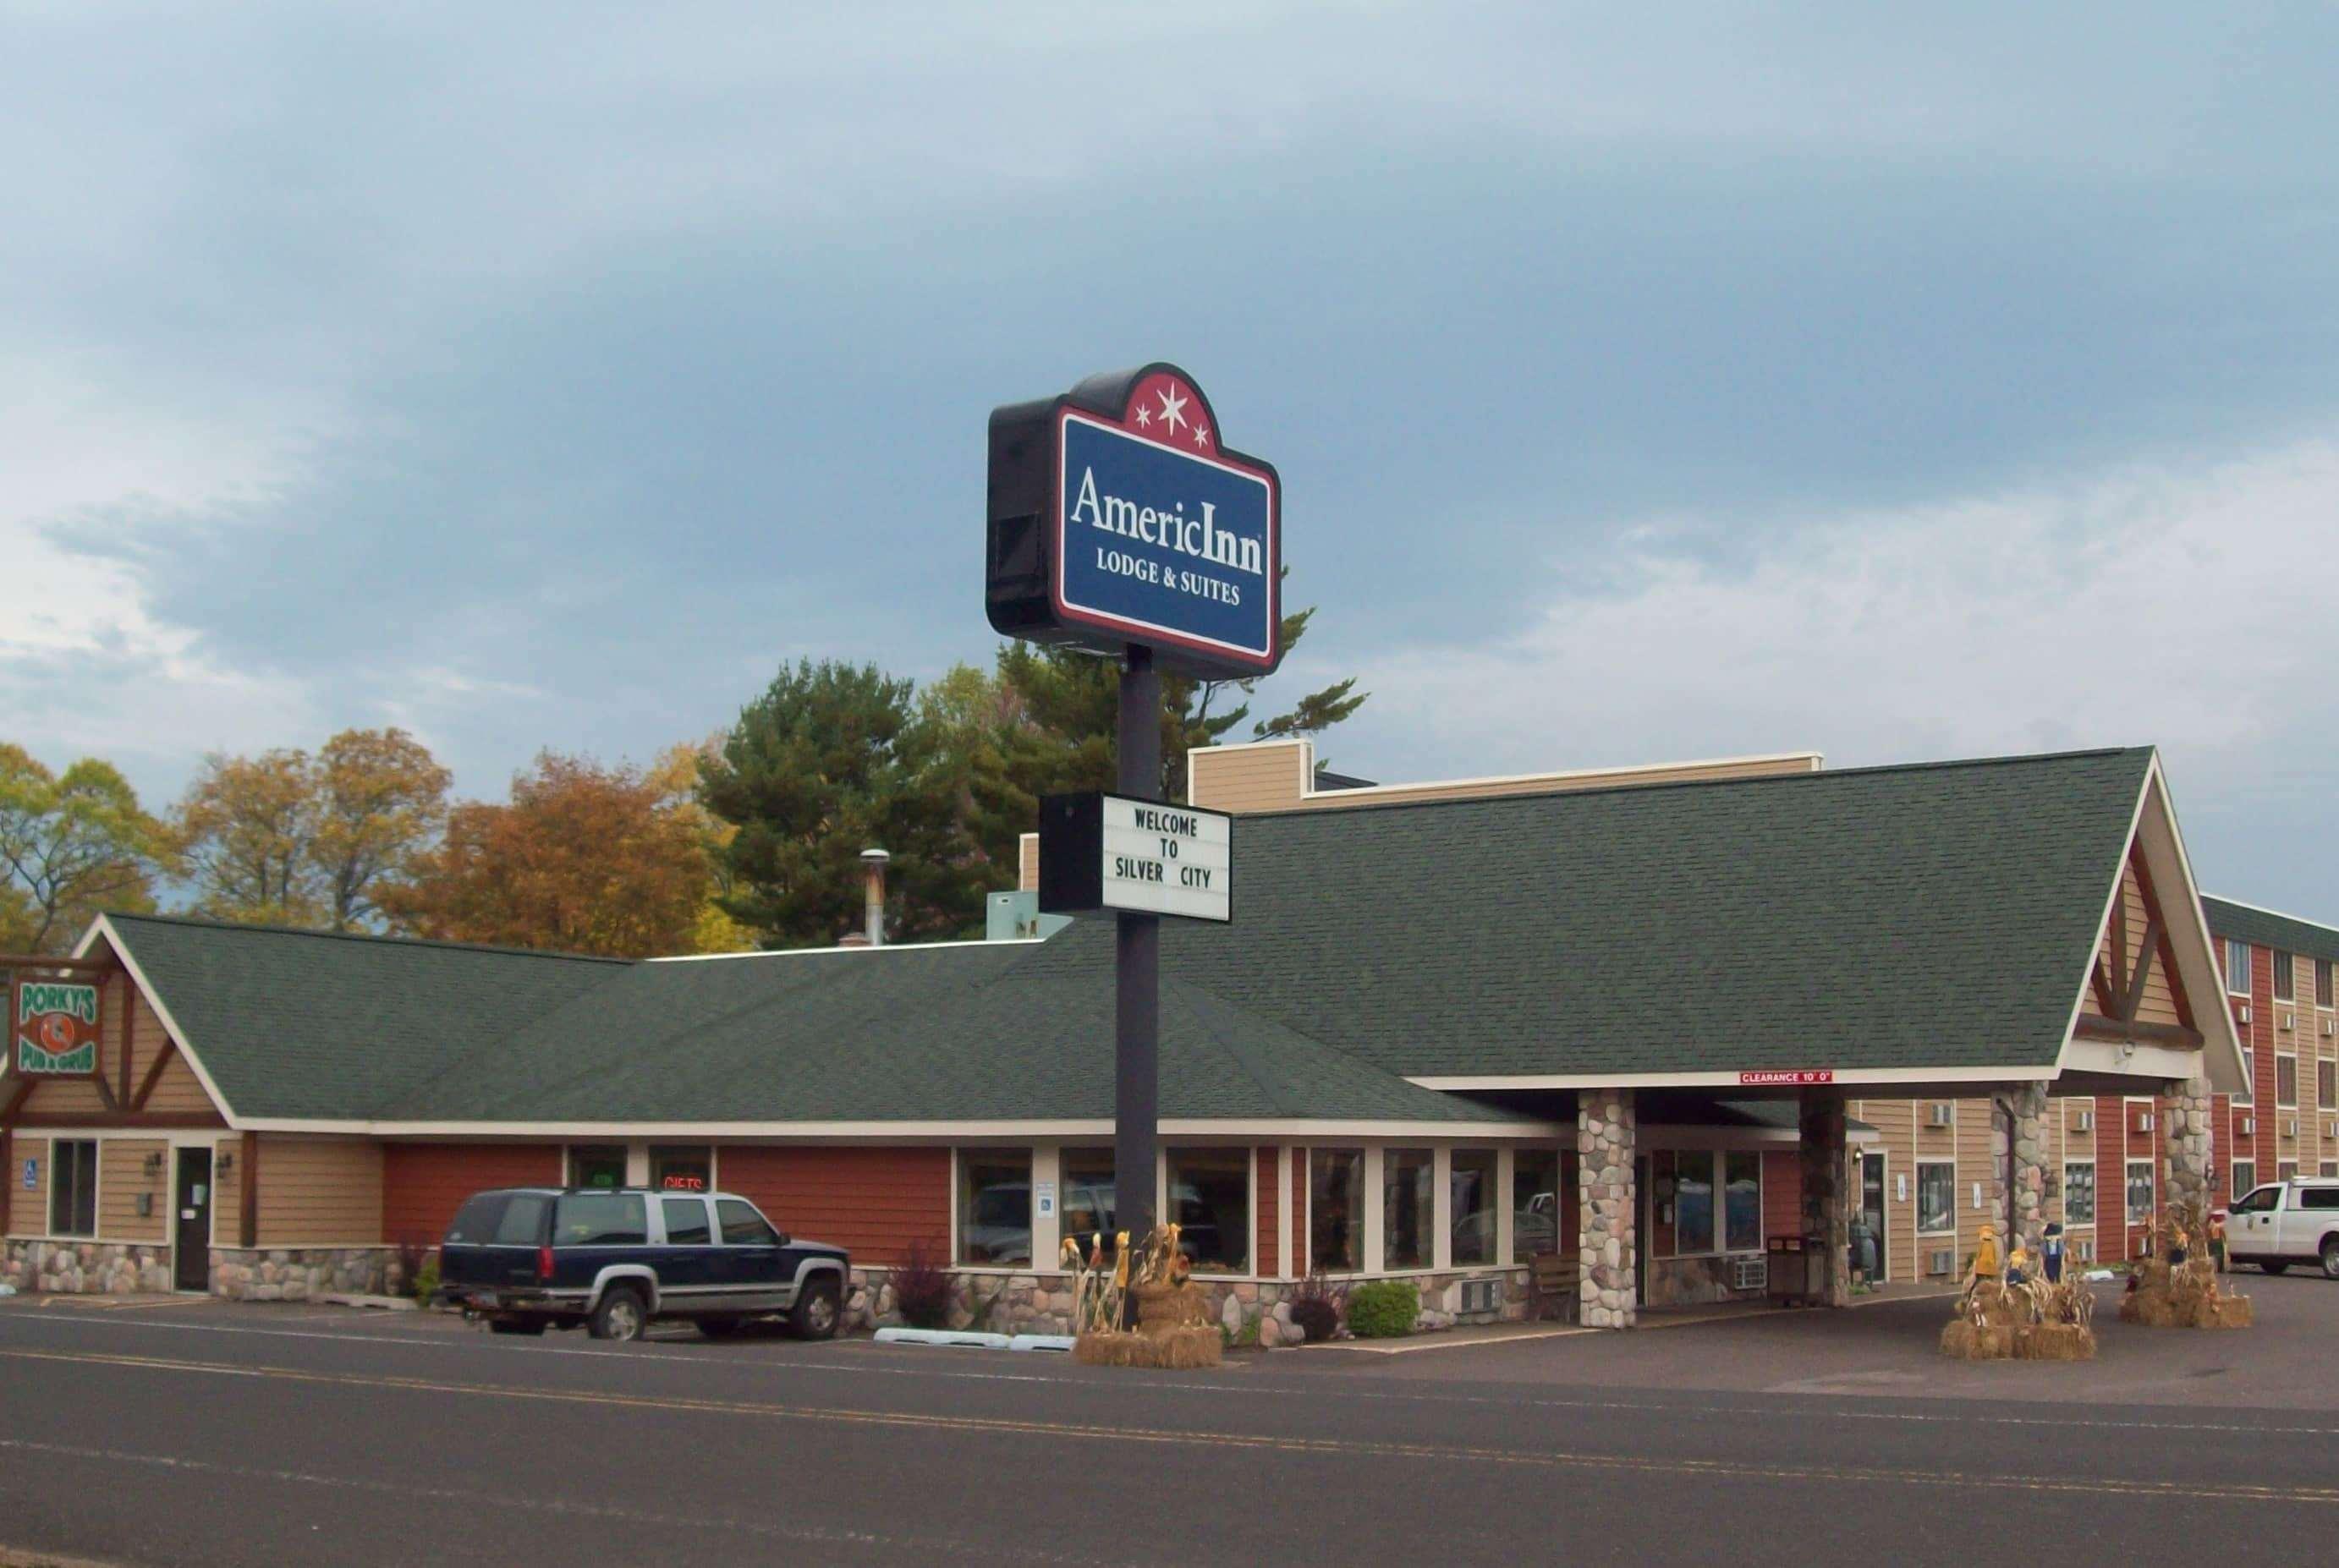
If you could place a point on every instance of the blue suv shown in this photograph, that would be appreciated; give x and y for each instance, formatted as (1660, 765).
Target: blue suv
(612, 1260)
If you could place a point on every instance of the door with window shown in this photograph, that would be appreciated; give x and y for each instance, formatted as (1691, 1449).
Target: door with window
(190, 1225)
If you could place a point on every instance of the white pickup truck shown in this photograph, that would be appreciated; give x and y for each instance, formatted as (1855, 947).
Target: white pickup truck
(2294, 1221)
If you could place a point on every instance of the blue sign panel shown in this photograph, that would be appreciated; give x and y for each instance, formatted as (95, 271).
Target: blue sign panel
(1164, 543)
(1119, 519)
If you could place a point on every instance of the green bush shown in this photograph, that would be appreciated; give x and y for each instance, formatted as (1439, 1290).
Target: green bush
(1384, 1308)
(426, 1280)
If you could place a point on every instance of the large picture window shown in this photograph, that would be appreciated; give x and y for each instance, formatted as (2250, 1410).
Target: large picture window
(994, 1207)
(2080, 1192)
(1085, 1209)
(1535, 1203)
(1471, 1200)
(596, 1164)
(72, 1187)
(1741, 1177)
(682, 1167)
(1408, 1178)
(1336, 1226)
(1936, 1195)
(1692, 1204)
(1210, 1198)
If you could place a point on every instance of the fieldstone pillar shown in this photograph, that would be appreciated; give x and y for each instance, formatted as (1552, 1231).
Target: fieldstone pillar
(1826, 1211)
(1605, 1146)
(2184, 1169)
(2026, 1109)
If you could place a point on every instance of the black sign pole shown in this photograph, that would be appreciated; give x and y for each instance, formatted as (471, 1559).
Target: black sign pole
(1137, 975)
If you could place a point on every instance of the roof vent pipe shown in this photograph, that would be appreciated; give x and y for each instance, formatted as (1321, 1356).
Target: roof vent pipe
(872, 888)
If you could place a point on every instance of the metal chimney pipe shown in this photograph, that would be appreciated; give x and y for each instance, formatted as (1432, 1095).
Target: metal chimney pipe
(872, 889)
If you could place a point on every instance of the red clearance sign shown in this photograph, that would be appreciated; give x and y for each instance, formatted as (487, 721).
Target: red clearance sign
(1789, 1076)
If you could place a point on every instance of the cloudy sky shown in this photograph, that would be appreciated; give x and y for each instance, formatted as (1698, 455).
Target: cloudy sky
(1646, 382)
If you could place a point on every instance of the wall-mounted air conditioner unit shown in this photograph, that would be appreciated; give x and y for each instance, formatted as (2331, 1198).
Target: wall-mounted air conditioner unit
(1480, 1295)
(2330, 1027)
(2087, 1251)
(2290, 1021)
(1750, 1273)
(2331, 1130)
(2290, 1127)
(2246, 1128)
(2242, 1013)
(2086, 1121)
(1942, 1114)
(1940, 1260)
(2144, 1121)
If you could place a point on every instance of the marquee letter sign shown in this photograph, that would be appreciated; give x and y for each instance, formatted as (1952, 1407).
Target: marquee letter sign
(1118, 517)
(55, 1027)
(1112, 852)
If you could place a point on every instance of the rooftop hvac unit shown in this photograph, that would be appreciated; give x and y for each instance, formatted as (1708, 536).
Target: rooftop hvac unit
(1750, 1273)
(1939, 1260)
(2144, 1121)
(1942, 1113)
(1480, 1295)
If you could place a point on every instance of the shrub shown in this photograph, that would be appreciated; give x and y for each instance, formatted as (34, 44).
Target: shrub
(921, 1292)
(426, 1280)
(1384, 1308)
(1315, 1309)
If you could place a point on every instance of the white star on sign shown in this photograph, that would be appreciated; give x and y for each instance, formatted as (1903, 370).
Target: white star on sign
(1144, 415)
(1173, 408)
(1202, 435)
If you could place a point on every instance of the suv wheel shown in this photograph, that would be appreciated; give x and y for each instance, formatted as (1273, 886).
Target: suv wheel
(817, 1312)
(621, 1314)
(2331, 1257)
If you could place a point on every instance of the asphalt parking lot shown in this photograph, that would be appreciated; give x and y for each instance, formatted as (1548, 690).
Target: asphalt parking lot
(203, 1433)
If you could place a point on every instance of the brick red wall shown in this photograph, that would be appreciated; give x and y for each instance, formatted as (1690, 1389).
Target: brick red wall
(1782, 1193)
(2111, 1178)
(1270, 1214)
(422, 1184)
(873, 1202)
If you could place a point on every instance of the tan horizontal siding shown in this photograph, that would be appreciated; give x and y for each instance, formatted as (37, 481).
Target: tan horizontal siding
(227, 1192)
(319, 1192)
(120, 1178)
(179, 1092)
(1559, 784)
(1248, 779)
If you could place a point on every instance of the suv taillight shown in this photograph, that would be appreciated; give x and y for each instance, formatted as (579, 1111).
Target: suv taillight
(544, 1263)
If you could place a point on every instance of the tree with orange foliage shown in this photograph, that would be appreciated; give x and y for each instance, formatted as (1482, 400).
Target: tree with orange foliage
(584, 859)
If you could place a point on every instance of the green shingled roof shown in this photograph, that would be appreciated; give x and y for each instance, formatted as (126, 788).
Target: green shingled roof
(1932, 916)
(2264, 927)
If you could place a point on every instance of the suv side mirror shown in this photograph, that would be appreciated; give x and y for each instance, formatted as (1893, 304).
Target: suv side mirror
(779, 1238)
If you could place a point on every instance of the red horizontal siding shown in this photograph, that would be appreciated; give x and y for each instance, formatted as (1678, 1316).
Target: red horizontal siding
(1270, 1223)
(423, 1184)
(1782, 1193)
(873, 1202)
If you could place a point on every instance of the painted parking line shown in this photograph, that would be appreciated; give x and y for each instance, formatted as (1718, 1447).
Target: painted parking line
(1418, 1342)
(1346, 1449)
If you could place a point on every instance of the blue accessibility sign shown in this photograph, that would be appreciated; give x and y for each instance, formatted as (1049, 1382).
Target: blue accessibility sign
(1146, 529)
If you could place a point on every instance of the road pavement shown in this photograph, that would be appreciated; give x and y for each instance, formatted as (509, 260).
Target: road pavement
(209, 1434)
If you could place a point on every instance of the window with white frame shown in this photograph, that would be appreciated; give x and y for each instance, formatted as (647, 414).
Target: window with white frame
(2140, 1192)
(2323, 982)
(994, 1207)
(1742, 1200)
(1937, 1196)
(2326, 1084)
(2286, 978)
(1210, 1198)
(2286, 1170)
(2242, 1179)
(2330, 1167)
(2285, 1081)
(1408, 1192)
(1471, 1207)
(72, 1187)
(1335, 1218)
(2080, 1192)
(1535, 1203)
(1692, 1204)
(2237, 967)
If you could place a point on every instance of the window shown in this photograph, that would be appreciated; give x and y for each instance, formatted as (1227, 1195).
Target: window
(1085, 1211)
(1936, 1195)
(1535, 1203)
(994, 1213)
(1210, 1199)
(2319, 1197)
(2259, 1200)
(2285, 1081)
(686, 1222)
(2330, 1167)
(682, 1167)
(1406, 1186)
(743, 1225)
(2080, 1192)
(1692, 1204)
(1336, 1232)
(2286, 1170)
(2323, 982)
(72, 1187)
(2140, 1192)
(1742, 1200)
(1470, 1201)
(2326, 1084)
(596, 1164)
(601, 1219)
(477, 1222)
(2237, 967)
(522, 1224)
(2286, 978)
(2245, 1178)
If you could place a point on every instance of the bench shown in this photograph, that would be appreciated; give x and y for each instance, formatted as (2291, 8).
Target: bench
(1553, 1285)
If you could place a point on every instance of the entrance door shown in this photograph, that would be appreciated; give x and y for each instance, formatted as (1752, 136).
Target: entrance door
(1872, 1208)
(191, 1232)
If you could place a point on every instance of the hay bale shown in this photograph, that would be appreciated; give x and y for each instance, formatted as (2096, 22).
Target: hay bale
(1961, 1340)
(1173, 1306)
(2055, 1342)
(2233, 1312)
(2150, 1309)
(1159, 1344)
